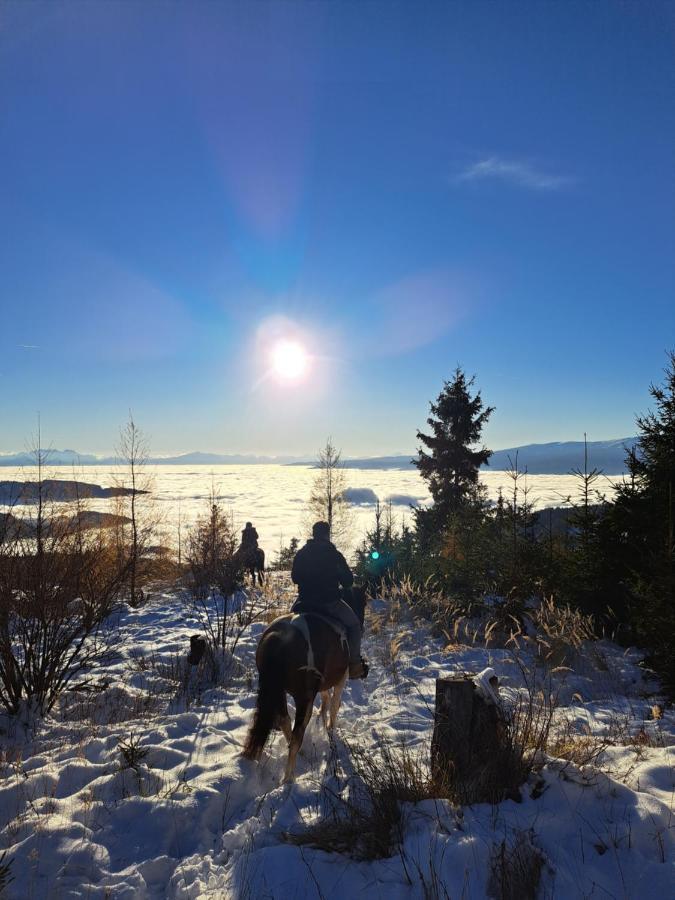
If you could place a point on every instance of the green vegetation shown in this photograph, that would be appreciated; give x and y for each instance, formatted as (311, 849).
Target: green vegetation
(609, 557)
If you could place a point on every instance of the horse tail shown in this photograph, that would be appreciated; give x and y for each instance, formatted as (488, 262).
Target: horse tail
(271, 695)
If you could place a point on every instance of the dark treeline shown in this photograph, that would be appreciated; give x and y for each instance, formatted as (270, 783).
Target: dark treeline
(612, 557)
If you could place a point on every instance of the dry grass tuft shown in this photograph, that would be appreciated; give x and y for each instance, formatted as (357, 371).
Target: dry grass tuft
(579, 749)
(515, 869)
(273, 603)
(6, 876)
(561, 632)
(366, 820)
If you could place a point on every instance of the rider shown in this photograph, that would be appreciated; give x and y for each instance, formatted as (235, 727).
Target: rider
(319, 570)
(249, 539)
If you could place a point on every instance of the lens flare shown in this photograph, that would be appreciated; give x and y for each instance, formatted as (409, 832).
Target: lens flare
(289, 360)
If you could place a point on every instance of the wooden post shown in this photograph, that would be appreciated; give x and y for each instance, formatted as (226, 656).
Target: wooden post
(467, 746)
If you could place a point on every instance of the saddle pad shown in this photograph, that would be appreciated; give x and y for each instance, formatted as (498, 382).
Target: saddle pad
(297, 620)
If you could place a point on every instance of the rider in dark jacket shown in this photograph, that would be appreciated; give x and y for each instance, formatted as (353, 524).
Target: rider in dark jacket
(319, 570)
(249, 537)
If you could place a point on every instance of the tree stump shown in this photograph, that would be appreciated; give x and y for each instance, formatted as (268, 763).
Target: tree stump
(197, 650)
(469, 746)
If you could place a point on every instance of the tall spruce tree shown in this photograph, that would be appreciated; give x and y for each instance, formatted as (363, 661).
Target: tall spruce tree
(451, 462)
(638, 532)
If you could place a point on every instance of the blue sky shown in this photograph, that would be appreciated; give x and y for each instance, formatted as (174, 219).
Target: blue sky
(401, 187)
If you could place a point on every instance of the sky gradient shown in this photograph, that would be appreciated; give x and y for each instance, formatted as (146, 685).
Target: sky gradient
(402, 187)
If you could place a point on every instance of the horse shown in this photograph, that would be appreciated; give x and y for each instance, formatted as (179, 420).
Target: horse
(300, 661)
(251, 560)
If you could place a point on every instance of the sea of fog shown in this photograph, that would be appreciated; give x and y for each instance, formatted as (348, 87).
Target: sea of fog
(274, 497)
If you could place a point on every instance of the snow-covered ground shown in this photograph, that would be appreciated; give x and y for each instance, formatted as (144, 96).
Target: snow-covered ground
(192, 819)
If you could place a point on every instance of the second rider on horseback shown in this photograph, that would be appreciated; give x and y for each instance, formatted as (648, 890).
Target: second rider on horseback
(320, 570)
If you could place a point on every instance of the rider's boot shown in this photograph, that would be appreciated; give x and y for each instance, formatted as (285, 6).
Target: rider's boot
(358, 669)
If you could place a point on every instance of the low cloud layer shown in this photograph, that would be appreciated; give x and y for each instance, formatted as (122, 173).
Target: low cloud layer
(403, 500)
(360, 496)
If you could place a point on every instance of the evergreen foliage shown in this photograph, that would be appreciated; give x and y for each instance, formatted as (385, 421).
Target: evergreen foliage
(211, 546)
(286, 555)
(451, 466)
(614, 560)
(638, 541)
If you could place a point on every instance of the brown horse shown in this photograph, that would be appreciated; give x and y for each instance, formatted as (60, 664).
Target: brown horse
(300, 661)
(252, 561)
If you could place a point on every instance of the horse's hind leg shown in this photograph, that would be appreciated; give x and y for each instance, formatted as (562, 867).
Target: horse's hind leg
(325, 704)
(285, 722)
(303, 713)
(336, 699)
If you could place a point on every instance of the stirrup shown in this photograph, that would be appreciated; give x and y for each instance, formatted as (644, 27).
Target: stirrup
(358, 669)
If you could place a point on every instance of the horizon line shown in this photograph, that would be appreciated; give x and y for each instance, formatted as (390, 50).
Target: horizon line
(294, 457)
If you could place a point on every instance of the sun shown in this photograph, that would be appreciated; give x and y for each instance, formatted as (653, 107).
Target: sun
(289, 360)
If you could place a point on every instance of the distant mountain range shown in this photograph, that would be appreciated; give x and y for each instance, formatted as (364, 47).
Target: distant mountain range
(73, 458)
(559, 458)
(556, 458)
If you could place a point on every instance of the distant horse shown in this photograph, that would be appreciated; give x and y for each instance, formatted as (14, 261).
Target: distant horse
(252, 561)
(300, 661)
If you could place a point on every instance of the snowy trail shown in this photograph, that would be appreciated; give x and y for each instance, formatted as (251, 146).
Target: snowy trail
(192, 819)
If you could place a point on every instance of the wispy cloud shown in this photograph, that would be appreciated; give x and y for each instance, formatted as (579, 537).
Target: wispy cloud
(517, 172)
(29, 347)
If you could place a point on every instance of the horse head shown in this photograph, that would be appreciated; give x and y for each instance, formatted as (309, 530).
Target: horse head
(359, 598)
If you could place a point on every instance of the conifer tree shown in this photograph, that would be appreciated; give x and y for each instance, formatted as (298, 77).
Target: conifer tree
(451, 462)
(640, 525)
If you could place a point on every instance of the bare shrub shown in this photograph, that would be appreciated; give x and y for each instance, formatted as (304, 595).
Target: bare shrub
(133, 451)
(366, 820)
(58, 584)
(328, 498)
(515, 869)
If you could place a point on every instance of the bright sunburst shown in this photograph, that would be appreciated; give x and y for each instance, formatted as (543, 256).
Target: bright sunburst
(289, 360)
